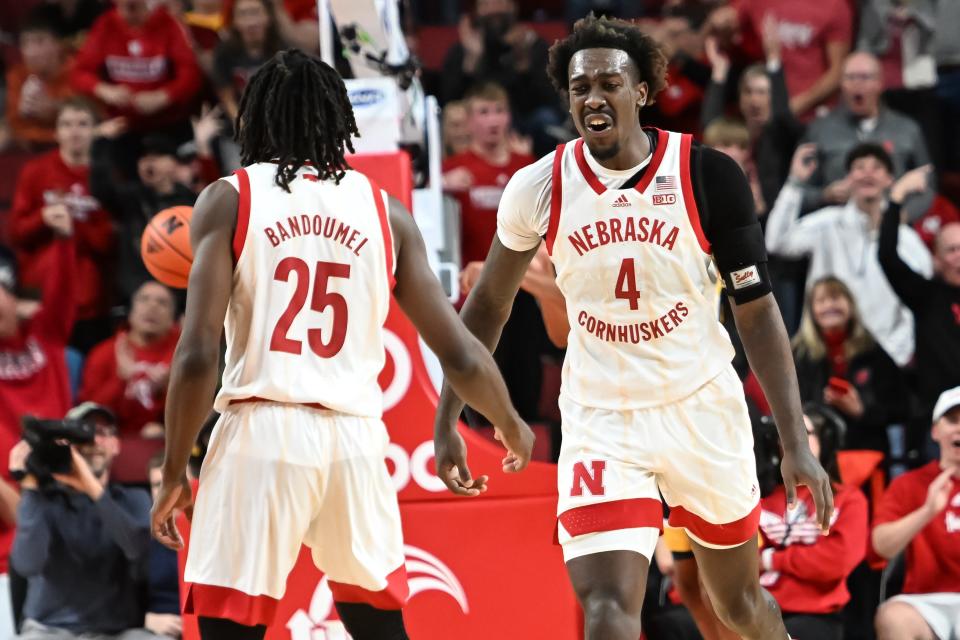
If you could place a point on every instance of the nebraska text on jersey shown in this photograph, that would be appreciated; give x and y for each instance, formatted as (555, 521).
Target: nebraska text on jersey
(637, 273)
(613, 230)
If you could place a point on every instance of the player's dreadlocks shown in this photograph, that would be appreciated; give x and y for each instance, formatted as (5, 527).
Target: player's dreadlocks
(295, 112)
(608, 33)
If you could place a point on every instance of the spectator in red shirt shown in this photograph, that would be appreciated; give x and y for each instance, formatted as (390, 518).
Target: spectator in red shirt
(920, 512)
(33, 368)
(815, 39)
(53, 197)
(805, 569)
(678, 107)
(128, 373)
(37, 85)
(476, 177)
(138, 63)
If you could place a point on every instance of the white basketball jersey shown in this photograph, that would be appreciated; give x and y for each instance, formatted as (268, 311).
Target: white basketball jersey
(639, 281)
(311, 291)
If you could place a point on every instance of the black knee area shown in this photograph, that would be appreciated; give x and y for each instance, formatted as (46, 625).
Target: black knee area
(365, 622)
(221, 629)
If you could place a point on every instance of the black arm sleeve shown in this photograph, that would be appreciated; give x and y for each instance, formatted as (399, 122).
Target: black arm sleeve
(911, 287)
(729, 221)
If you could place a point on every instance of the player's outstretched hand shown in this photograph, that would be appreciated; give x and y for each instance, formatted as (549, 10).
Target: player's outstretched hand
(801, 467)
(450, 452)
(174, 496)
(519, 441)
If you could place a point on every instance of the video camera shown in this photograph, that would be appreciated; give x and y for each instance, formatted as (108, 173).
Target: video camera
(50, 442)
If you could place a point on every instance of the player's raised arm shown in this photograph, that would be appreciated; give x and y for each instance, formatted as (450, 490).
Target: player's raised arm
(193, 372)
(467, 364)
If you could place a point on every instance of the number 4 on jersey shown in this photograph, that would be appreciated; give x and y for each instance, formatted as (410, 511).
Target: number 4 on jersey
(319, 302)
(627, 284)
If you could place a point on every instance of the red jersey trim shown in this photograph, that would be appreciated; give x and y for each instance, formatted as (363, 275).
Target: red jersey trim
(585, 169)
(385, 230)
(393, 596)
(556, 198)
(222, 602)
(243, 214)
(599, 188)
(662, 139)
(730, 534)
(688, 198)
(613, 516)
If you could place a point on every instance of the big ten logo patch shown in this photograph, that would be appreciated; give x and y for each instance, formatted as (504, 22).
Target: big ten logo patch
(664, 198)
(591, 480)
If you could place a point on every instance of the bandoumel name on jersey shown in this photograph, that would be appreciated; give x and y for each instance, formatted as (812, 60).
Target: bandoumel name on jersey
(641, 287)
(311, 291)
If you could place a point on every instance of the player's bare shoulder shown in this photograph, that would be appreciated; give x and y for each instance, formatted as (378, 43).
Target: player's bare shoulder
(216, 209)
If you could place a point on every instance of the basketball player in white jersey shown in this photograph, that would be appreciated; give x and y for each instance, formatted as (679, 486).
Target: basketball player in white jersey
(640, 225)
(296, 257)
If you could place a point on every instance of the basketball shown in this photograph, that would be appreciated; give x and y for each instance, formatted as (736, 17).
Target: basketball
(165, 246)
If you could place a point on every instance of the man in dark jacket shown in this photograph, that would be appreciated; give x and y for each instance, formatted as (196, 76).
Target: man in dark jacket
(81, 544)
(134, 202)
(935, 302)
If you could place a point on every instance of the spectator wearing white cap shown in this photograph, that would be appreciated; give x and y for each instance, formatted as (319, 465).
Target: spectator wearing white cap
(920, 513)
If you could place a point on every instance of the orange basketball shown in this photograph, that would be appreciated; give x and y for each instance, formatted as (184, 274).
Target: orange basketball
(165, 246)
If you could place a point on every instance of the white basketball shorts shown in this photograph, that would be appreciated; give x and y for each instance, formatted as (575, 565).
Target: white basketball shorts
(697, 452)
(280, 475)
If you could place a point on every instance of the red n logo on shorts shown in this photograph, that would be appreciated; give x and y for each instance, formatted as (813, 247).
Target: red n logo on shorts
(592, 480)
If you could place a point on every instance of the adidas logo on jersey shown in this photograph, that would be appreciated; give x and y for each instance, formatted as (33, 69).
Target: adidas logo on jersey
(622, 201)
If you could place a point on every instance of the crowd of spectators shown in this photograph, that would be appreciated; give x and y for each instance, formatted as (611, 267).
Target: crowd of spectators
(843, 116)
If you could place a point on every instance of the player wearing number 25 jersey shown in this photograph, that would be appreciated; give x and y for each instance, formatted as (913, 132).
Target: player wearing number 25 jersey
(296, 257)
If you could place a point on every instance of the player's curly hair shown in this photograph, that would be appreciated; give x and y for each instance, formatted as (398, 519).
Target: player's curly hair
(609, 33)
(295, 111)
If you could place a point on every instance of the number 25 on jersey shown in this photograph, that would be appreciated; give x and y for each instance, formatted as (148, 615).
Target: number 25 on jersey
(319, 302)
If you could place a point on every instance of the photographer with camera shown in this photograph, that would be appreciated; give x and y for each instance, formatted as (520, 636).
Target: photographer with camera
(80, 542)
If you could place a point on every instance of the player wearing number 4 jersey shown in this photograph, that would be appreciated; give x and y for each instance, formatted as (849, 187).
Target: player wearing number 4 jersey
(640, 225)
(296, 256)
